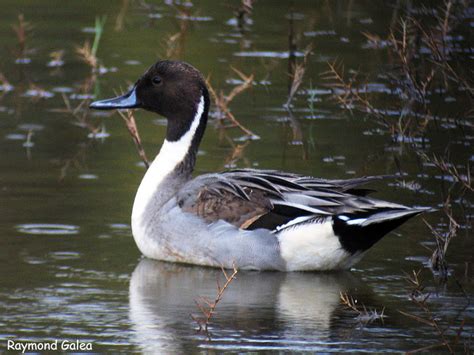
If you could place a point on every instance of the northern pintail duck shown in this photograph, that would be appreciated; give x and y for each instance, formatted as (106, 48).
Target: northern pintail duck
(255, 219)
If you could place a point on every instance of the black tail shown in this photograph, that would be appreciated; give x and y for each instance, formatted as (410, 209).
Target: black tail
(358, 232)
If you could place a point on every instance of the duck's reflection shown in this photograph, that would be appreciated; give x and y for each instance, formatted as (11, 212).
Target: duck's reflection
(260, 307)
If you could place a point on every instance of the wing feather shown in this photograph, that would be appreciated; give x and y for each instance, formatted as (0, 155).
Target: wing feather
(251, 199)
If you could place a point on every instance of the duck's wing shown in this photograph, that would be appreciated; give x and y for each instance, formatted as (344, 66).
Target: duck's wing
(251, 199)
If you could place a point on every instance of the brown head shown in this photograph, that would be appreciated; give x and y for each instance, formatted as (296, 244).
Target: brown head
(171, 89)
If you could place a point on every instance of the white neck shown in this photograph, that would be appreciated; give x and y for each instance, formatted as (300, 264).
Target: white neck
(170, 156)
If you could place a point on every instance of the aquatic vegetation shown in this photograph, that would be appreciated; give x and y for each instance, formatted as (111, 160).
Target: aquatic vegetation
(57, 58)
(120, 19)
(243, 14)
(131, 125)
(80, 113)
(174, 44)
(424, 61)
(208, 307)
(76, 161)
(461, 174)
(364, 316)
(36, 92)
(425, 64)
(23, 30)
(450, 334)
(296, 74)
(88, 52)
(5, 85)
(222, 102)
(438, 260)
(236, 154)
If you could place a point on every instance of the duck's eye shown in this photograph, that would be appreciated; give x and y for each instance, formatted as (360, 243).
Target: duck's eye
(156, 80)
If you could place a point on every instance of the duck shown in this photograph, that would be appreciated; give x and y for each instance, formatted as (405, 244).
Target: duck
(247, 219)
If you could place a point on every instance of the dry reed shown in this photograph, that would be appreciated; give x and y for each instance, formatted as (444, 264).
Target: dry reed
(207, 307)
(131, 125)
(364, 315)
(222, 101)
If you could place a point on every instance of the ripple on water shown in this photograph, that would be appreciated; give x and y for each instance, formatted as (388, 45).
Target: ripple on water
(195, 18)
(267, 54)
(155, 15)
(133, 62)
(98, 135)
(65, 255)
(36, 93)
(120, 229)
(32, 260)
(47, 229)
(119, 226)
(320, 33)
(15, 137)
(30, 127)
(88, 177)
(62, 89)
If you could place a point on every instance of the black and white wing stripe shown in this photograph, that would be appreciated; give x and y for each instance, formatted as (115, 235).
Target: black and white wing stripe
(270, 199)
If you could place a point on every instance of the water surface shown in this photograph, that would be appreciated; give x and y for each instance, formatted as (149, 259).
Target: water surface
(70, 267)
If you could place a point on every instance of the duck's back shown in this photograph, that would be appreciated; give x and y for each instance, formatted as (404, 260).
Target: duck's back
(318, 224)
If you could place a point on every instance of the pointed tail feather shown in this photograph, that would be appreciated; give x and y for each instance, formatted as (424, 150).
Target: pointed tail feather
(358, 232)
(388, 216)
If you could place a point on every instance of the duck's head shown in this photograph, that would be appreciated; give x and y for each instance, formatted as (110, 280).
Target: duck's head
(171, 89)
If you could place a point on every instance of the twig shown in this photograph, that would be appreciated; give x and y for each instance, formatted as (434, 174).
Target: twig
(420, 299)
(77, 160)
(451, 170)
(120, 19)
(22, 31)
(80, 114)
(243, 12)
(364, 315)
(416, 75)
(222, 101)
(438, 258)
(174, 44)
(348, 95)
(298, 71)
(208, 307)
(237, 153)
(247, 83)
(131, 125)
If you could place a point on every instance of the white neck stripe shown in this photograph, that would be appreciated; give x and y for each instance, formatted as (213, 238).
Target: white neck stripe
(170, 156)
(172, 153)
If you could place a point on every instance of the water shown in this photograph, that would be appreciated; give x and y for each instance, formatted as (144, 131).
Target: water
(70, 268)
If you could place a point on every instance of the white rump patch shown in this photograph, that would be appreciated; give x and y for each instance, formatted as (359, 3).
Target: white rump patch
(314, 246)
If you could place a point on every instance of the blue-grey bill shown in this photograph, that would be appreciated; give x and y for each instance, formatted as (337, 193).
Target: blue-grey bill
(129, 100)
